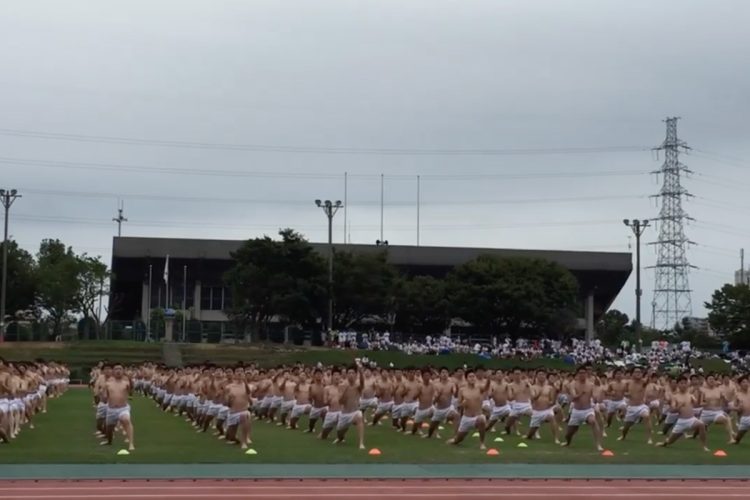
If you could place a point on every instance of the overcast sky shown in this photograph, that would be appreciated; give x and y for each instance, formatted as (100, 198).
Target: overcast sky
(328, 87)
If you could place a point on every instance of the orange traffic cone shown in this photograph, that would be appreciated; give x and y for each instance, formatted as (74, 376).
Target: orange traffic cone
(492, 452)
(374, 451)
(607, 453)
(720, 453)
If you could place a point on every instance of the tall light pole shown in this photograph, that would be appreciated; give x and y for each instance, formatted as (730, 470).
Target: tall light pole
(8, 196)
(638, 227)
(330, 209)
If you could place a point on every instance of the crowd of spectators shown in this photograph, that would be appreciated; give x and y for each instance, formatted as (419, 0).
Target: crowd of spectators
(575, 351)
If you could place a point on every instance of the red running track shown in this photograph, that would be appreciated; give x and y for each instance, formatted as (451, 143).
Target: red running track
(376, 489)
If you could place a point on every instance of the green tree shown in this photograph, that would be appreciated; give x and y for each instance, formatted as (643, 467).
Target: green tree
(21, 284)
(93, 284)
(613, 327)
(364, 285)
(729, 314)
(516, 296)
(275, 278)
(57, 283)
(422, 305)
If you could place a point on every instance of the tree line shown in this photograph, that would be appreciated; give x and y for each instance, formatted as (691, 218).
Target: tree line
(287, 280)
(54, 285)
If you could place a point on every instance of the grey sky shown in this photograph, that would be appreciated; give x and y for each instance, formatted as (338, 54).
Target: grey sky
(426, 74)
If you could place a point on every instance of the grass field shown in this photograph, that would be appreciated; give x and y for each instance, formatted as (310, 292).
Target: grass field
(65, 435)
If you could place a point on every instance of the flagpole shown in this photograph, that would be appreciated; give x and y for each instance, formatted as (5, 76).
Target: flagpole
(184, 300)
(148, 307)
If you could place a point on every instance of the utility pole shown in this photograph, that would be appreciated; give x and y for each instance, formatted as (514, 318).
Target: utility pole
(120, 218)
(418, 206)
(638, 227)
(330, 210)
(382, 202)
(672, 289)
(8, 196)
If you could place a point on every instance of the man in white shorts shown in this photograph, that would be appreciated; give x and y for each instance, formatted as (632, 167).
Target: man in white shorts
(582, 411)
(470, 399)
(637, 409)
(742, 404)
(332, 398)
(519, 392)
(714, 403)
(118, 410)
(350, 414)
(445, 389)
(683, 402)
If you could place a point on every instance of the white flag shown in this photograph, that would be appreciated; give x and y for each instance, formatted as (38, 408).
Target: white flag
(166, 271)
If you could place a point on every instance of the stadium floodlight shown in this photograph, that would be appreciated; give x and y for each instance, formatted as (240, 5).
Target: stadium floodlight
(638, 227)
(330, 210)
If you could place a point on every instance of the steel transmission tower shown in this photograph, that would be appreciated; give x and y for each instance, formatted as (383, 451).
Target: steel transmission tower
(672, 290)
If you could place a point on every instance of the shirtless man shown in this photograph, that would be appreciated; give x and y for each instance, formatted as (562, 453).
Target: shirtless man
(118, 410)
(742, 403)
(683, 403)
(384, 393)
(398, 399)
(238, 397)
(470, 398)
(317, 399)
(519, 392)
(445, 390)
(351, 393)
(581, 394)
(369, 399)
(332, 400)
(287, 387)
(100, 396)
(499, 398)
(670, 414)
(696, 389)
(616, 395)
(543, 398)
(5, 398)
(425, 399)
(714, 402)
(410, 390)
(302, 401)
(637, 408)
(654, 397)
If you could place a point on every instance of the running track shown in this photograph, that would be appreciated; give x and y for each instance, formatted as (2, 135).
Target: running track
(373, 489)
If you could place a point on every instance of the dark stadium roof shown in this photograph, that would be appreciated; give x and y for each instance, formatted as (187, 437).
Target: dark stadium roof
(132, 247)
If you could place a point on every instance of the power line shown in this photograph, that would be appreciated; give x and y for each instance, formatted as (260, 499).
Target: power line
(275, 201)
(186, 223)
(113, 167)
(131, 141)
